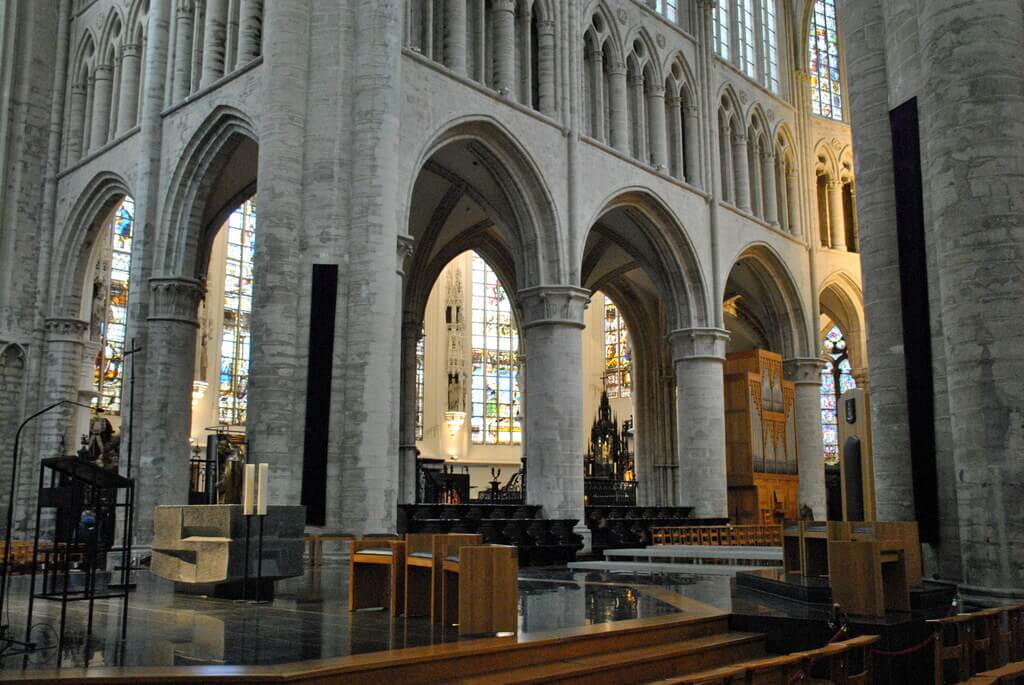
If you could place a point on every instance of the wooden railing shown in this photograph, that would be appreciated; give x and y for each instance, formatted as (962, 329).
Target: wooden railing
(745, 536)
(980, 645)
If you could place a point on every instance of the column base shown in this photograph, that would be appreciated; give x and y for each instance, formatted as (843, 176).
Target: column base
(584, 532)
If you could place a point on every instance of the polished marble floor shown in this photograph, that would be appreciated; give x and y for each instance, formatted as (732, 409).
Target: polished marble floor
(308, 618)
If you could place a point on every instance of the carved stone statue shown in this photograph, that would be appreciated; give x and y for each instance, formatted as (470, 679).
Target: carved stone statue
(456, 396)
(229, 487)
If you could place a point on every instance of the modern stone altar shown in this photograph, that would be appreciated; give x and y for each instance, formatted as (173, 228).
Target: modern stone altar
(202, 547)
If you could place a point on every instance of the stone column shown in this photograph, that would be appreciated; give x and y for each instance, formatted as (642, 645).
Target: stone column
(101, 106)
(792, 192)
(691, 146)
(215, 41)
(741, 170)
(771, 197)
(855, 227)
(128, 107)
(756, 187)
(411, 329)
(250, 31)
(546, 68)
(455, 36)
(183, 51)
(595, 59)
(552, 326)
(162, 469)
(77, 123)
(674, 122)
(699, 357)
(656, 117)
(782, 178)
(972, 57)
(806, 376)
(620, 127)
(863, 24)
(836, 216)
(503, 17)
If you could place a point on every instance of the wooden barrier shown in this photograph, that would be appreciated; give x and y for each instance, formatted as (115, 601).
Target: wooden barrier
(979, 644)
(745, 536)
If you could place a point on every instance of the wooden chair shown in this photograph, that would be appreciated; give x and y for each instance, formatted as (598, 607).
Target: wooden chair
(376, 574)
(952, 645)
(425, 553)
(480, 588)
(329, 537)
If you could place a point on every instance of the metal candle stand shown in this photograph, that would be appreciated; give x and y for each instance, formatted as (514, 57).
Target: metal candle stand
(254, 503)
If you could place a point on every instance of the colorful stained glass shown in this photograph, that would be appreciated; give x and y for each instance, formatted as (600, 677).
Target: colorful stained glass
(720, 18)
(495, 395)
(823, 61)
(836, 378)
(107, 375)
(618, 356)
(235, 342)
(420, 348)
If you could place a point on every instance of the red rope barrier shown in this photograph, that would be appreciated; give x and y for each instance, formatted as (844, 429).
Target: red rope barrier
(909, 650)
(804, 672)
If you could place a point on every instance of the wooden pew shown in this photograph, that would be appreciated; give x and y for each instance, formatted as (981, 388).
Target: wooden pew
(376, 574)
(480, 588)
(780, 670)
(837, 658)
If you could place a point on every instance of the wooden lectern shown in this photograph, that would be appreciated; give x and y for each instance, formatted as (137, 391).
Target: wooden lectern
(856, 468)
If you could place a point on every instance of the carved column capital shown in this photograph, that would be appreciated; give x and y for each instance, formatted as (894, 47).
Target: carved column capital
(59, 329)
(801, 370)
(130, 50)
(175, 299)
(698, 343)
(405, 247)
(504, 6)
(554, 305)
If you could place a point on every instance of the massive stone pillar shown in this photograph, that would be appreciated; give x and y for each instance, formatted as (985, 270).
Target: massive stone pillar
(836, 216)
(503, 13)
(161, 470)
(619, 125)
(806, 376)
(553, 326)
(699, 357)
(864, 23)
(128, 105)
(546, 67)
(102, 92)
(250, 30)
(741, 169)
(972, 146)
(183, 51)
(455, 36)
(656, 117)
(215, 41)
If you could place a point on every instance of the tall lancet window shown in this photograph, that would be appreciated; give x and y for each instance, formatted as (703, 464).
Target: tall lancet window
(836, 378)
(823, 61)
(495, 391)
(235, 341)
(110, 307)
(720, 26)
(618, 356)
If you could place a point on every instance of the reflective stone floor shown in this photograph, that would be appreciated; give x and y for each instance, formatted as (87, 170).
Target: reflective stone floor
(309, 619)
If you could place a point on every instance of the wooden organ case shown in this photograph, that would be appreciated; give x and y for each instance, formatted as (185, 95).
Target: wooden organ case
(760, 439)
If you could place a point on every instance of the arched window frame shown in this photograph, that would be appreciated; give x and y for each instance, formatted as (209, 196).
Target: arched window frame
(494, 392)
(109, 364)
(745, 34)
(618, 353)
(823, 61)
(236, 337)
(836, 378)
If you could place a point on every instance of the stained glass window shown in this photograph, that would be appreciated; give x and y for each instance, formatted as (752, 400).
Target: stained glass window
(745, 32)
(618, 357)
(823, 65)
(495, 387)
(720, 16)
(770, 67)
(235, 342)
(836, 378)
(113, 316)
(419, 386)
